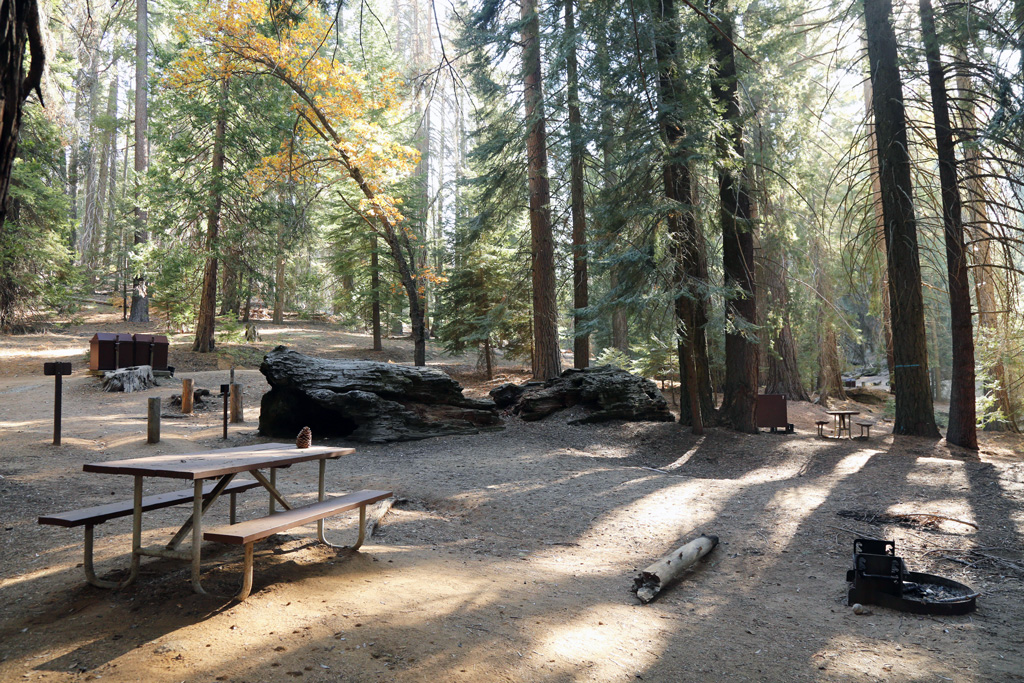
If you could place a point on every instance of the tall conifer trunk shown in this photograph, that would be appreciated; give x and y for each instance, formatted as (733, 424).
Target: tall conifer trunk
(205, 326)
(739, 399)
(580, 293)
(783, 376)
(546, 358)
(140, 294)
(682, 224)
(914, 411)
(979, 228)
(19, 27)
(375, 295)
(962, 429)
(108, 138)
(879, 219)
(830, 379)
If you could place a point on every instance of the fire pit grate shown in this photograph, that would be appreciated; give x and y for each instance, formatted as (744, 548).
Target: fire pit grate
(879, 577)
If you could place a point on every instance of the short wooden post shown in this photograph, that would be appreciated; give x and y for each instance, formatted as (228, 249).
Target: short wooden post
(186, 395)
(153, 431)
(236, 403)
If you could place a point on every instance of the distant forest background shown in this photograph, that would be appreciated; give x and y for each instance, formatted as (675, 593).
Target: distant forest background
(735, 196)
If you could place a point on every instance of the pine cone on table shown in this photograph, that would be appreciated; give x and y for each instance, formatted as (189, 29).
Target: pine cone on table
(304, 439)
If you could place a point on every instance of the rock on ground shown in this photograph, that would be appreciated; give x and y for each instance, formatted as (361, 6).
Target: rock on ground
(605, 392)
(365, 401)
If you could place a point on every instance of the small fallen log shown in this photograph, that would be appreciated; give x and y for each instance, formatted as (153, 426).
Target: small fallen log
(671, 567)
(375, 514)
(135, 378)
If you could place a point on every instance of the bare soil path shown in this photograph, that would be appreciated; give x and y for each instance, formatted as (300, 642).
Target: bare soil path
(510, 555)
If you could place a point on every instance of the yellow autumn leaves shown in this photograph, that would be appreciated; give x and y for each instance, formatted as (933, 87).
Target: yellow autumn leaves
(344, 117)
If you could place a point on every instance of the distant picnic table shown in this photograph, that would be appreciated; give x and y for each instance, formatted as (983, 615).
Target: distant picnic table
(841, 422)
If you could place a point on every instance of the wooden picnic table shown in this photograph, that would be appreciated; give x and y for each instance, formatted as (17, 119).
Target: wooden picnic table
(841, 421)
(221, 465)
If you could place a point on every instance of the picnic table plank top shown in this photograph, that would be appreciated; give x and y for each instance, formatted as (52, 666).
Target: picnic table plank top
(842, 412)
(207, 464)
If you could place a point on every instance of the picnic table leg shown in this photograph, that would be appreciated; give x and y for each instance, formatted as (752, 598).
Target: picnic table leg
(197, 535)
(246, 574)
(207, 502)
(133, 570)
(321, 493)
(90, 572)
(269, 485)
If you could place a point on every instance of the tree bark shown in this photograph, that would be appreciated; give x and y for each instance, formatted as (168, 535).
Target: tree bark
(1018, 20)
(547, 362)
(230, 303)
(879, 218)
(985, 275)
(580, 293)
(700, 320)
(830, 379)
(914, 411)
(19, 27)
(206, 325)
(108, 138)
(90, 56)
(279, 263)
(140, 293)
(375, 295)
(682, 224)
(783, 376)
(739, 397)
(613, 223)
(962, 430)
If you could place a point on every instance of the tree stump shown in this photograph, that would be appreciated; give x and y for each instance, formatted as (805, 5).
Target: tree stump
(135, 378)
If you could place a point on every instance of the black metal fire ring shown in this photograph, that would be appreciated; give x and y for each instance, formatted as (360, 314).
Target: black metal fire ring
(881, 578)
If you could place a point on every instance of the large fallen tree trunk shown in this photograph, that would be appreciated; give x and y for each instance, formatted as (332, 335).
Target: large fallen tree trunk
(604, 392)
(671, 567)
(365, 400)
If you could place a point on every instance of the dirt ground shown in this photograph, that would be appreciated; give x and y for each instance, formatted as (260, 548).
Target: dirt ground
(509, 555)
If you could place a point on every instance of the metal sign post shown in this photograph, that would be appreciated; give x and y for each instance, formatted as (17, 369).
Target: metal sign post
(225, 390)
(58, 370)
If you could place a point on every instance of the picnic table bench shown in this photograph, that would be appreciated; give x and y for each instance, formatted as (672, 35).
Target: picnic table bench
(865, 429)
(98, 514)
(248, 532)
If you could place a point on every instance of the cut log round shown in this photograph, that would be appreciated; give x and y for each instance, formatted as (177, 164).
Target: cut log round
(365, 400)
(605, 392)
(671, 567)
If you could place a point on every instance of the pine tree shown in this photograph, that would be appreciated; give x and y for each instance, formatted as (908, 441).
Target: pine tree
(914, 414)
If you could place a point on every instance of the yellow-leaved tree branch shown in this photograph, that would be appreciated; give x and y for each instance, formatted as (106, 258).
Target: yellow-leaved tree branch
(344, 116)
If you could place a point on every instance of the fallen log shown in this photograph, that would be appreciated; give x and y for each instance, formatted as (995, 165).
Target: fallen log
(671, 567)
(366, 401)
(375, 514)
(604, 392)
